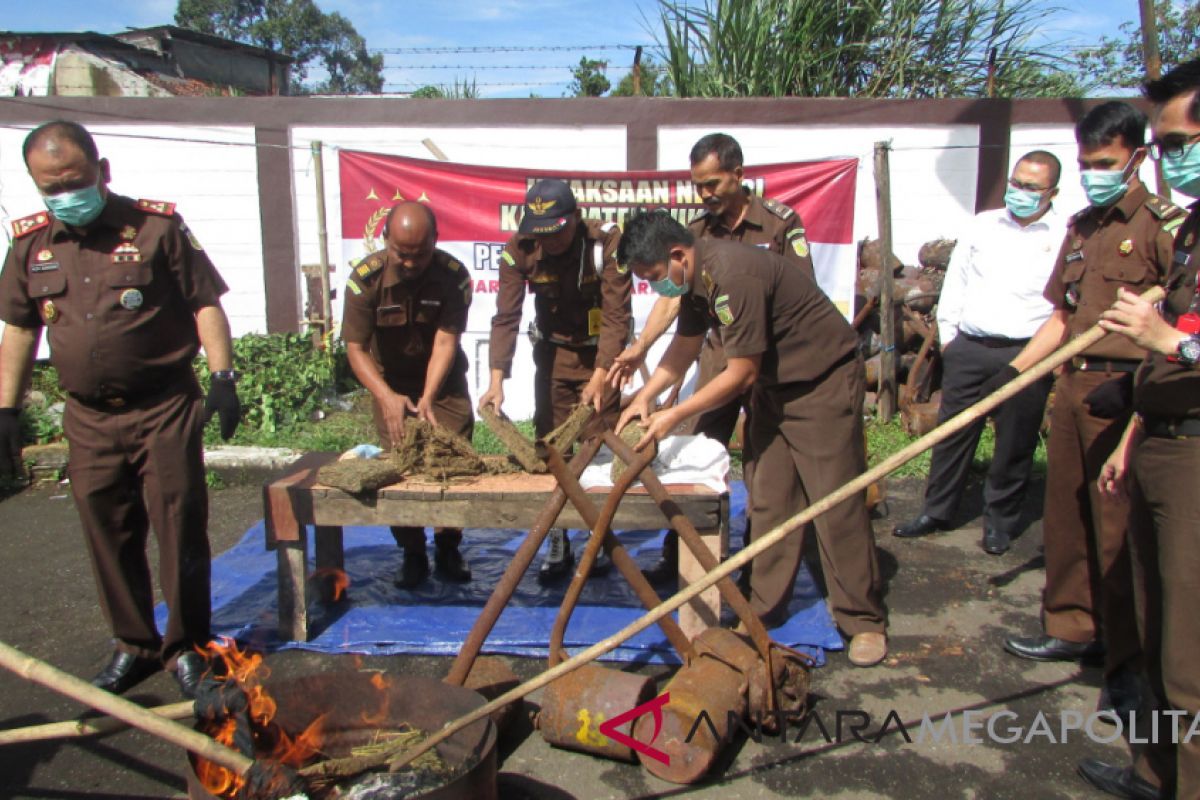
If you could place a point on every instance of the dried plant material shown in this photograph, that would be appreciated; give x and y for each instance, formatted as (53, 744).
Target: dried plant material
(631, 434)
(359, 476)
(512, 439)
(501, 464)
(563, 437)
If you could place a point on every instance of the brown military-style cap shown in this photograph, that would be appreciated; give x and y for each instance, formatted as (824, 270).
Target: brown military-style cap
(549, 204)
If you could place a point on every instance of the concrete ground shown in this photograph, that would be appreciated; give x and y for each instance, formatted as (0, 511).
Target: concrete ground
(951, 605)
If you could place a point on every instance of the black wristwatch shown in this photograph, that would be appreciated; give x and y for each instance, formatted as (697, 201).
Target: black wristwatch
(230, 375)
(1188, 350)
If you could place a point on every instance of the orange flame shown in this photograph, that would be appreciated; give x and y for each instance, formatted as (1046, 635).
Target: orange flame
(248, 670)
(339, 579)
(382, 683)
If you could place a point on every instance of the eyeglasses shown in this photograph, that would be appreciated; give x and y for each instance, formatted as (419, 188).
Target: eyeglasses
(1027, 187)
(1173, 146)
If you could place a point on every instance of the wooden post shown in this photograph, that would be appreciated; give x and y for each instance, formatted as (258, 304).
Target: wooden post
(325, 324)
(887, 308)
(637, 71)
(1153, 62)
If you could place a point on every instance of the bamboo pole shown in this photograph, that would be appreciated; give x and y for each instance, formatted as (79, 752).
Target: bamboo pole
(323, 240)
(78, 728)
(952, 426)
(886, 402)
(38, 671)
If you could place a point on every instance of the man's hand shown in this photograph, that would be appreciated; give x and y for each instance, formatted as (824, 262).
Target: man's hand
(1111, 482)
(10, 443)
(1138, 321)
(493, 397)
(425, 410)
(395, 408)
(1111, 399)
(1006, 374)
(223, 401)
(620, 374)
(640, 408)
(594, 390)
(659, 426)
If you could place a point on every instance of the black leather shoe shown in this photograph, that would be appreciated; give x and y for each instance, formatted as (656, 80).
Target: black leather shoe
(450, 565)
(921, 526)
(603, 564)
(666, 570)
(559, 561)
(189, 669)
(1048, 648)
(1120, 697)
(995, 542)
(1117, 781)
(125, 671)
(413, 572)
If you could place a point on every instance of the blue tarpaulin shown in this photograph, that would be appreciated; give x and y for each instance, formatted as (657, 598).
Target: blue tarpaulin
(377, 618)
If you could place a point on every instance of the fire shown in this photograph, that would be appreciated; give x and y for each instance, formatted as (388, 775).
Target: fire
(271, 742)
(382, 683)
(338, 578)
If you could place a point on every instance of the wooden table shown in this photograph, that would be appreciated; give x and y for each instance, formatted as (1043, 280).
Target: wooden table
(492, 501)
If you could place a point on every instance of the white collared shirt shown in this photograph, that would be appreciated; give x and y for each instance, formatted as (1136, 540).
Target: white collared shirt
(996, 276)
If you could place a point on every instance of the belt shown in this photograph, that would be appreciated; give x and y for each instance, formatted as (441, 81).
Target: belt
(995, 341)
(1085, 364)
(117, 402)
(1167, 428)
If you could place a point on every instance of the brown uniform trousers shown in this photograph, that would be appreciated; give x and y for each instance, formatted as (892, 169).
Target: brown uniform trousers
(1164, 525)
(453, 412)
(560, 373)
(133, 468)
(808, 437)
(1088, 579)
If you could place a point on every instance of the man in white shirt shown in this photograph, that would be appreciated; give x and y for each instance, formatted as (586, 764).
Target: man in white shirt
(991, 304)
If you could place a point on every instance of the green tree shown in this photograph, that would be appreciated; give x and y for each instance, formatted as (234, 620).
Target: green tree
(654, 81)
(297, 28)
(456, 91)
(1117, 62)
(590, 80)
(859, 48)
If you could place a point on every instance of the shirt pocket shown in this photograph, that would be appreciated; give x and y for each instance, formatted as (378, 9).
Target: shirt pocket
(1073, 271)
(1133, 271)
(47, 284)
(428, 311)
(391, 316)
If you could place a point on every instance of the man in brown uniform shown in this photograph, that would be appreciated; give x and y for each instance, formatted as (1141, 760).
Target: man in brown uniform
(128, 297)
(1159, 462)
(406, 309)
(1123, 239)
(731, 213)
(582, 319)
(784, 339)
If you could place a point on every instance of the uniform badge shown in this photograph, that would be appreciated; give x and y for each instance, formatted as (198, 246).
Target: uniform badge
(353, 287)
(191, 237)
(1072, 295)
(126, 253)
(1126, 247)
(798, 242)
(708, 281)
(128, 233)
(722, 309)
(131, 299)
(43, 256)
(1077, 243)
(50, 312)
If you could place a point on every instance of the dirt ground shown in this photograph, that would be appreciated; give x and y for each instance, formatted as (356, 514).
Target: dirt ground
(950, 607)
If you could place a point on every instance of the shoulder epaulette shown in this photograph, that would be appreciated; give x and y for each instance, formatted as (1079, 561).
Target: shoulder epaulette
(369, 266)
(1163, 208)
(27, 225)
(781, 210)
(1079, 215)
(160, 207)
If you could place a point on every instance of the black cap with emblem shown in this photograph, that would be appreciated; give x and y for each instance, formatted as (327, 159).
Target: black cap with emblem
(549, 204)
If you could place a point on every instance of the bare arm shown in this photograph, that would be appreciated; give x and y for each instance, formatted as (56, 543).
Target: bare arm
(16, 363)
(213, 328)
(394, 406)
(1048, 338)
(665, 310)
(680, 354)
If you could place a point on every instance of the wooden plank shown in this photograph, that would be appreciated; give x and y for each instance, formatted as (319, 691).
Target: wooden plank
(292, 559)
(286, 511)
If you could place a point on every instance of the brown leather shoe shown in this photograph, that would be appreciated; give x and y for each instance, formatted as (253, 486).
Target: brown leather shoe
(867, 649)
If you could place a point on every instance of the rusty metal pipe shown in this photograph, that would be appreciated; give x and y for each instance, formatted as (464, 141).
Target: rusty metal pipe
(691, 537)
(616, 551)
(600, 530)
(516, 569)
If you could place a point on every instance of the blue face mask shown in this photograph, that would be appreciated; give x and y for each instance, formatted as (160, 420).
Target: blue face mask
(667, 287)
(1021, 202)
(1183, 173)
(76, 208)
(1104, 187)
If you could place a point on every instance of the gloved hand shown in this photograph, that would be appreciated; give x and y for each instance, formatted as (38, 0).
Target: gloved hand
(1111, 399)
(1007, 373)
(10, 443)
(223, 401)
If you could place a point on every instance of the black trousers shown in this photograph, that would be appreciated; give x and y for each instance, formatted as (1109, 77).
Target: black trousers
(967, 363)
